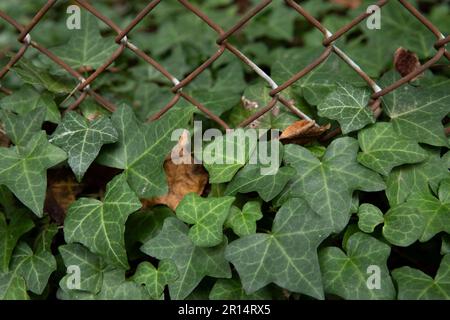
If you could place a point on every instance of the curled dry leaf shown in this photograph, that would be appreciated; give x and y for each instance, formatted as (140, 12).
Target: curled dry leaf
(182, 178)
(302, 132)
(351, 4)
(406, 62)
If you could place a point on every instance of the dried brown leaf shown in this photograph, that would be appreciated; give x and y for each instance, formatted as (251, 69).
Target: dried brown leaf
(405, 61)
(181, 178)
(302, 132)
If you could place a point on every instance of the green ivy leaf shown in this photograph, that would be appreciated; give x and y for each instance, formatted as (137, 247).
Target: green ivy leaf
(154, 280)
(446, 159)
(265, 177)
(383, 149)
(12, 287)
(243, 222)
(142, 149)
(417, 113)
(86, 47)
(114, 287)
(347, 274)
(416, 178)
(127, 290)
(10, 233)
(250, 179)
(433, 217)
(207, 215)
(193, 263)
(231, 289)
(373, 61)
(444, 191)
(267, 181)
(35, 268)
(44, 240)
(117, 287)
(21, 128)
(277, 212)
(100, 226)
(436, 213)
(369, 217)
(37, 76)
(145, 224)
(27, 99)
(395, 21)
(255, 98)
(90, 109)
(23, 170)
(286, 256)
(149, 99)
(90, 265)
(413, 284)
(227, 154)
(403, 225)
(317, 84)
(226, 91)
(280, 20)
(328, 185)
(349, 106)
(82, 140)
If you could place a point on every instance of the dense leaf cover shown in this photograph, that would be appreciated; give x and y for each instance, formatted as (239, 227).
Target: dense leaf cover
(363, 215)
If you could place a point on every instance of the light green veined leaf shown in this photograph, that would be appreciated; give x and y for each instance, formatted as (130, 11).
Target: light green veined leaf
(23, 170)
(82, 140)
(142, 149)
(413, 284)
(383, 149)
(349, 106)
(154, 280)
(21, 128)
(328, 184)
(100, 226)
(243, 222)
(193, 263)
(347, 274)
(369, 217)
(35, 268)
(207, 215)
(286, 256)
(86, 47)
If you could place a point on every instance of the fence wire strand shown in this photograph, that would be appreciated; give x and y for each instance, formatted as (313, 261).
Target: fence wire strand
(84, 87)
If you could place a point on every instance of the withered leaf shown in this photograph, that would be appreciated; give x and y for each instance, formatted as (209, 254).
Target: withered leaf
(182, 179)
(405, 61)
(302, 132)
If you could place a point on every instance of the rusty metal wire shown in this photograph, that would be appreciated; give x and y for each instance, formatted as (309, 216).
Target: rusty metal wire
(84, 89)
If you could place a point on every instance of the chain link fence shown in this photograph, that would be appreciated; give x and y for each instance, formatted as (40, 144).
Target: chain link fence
(84, 89)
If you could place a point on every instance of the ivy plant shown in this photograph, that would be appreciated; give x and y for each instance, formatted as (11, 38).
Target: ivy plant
(106, 192)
